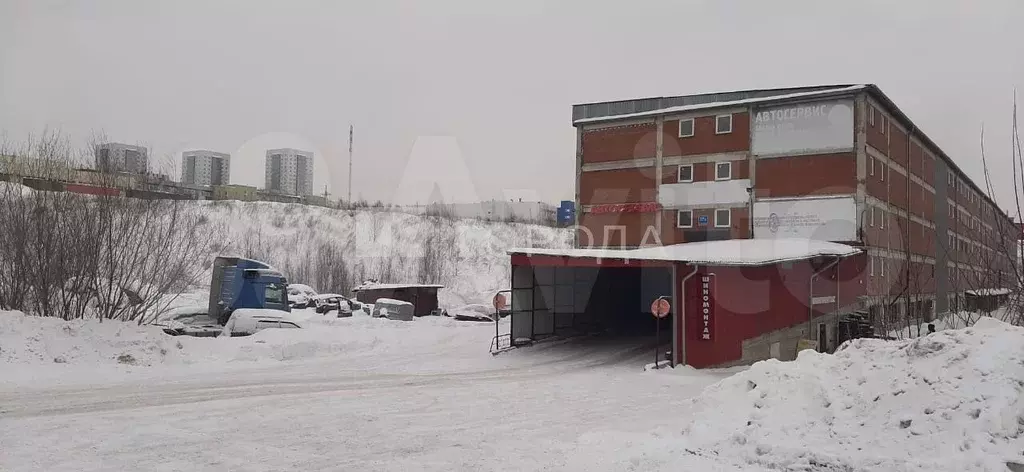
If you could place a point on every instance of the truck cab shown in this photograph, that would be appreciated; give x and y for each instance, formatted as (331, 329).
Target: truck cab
(245, 283)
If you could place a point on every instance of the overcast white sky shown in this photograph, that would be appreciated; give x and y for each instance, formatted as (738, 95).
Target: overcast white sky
(487, 83)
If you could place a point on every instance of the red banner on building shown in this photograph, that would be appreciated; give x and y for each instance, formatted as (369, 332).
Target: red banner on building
(705, 307)
(647, 207)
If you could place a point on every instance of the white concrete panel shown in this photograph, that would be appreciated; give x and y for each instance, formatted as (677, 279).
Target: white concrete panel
(803, 128)
(822, 219)
(719, 193)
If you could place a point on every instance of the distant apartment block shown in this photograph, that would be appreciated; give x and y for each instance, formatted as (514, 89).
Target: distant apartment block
(205, 168)
(118, 157)
(289, 172)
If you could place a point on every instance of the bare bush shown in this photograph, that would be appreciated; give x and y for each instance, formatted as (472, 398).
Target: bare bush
(332, 273)
(72, 256)
(440, 251)
(439, 210)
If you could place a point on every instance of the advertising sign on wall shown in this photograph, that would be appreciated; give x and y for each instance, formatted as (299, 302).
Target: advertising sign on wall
(704, 327)
(823, 219)
(646, 207)
(805, 128)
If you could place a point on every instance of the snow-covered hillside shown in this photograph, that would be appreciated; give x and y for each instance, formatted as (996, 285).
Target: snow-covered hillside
(332, 250)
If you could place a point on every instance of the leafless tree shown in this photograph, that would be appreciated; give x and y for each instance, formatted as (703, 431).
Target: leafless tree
(1003, 242)
(69, 255)
(439, 252)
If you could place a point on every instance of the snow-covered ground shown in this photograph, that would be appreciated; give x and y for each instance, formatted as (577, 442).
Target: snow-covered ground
(343, 394)
(371, 394)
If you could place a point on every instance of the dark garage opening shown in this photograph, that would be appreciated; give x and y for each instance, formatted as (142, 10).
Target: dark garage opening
(610, 302)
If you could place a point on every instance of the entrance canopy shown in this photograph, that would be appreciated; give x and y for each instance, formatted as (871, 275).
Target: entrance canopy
(733, 252)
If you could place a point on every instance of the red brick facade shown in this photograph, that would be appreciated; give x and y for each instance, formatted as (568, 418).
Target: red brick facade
(705, 140)
(827, 174)
(891, 171)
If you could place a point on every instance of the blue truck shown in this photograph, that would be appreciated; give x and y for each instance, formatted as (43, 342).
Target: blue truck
(245, 283)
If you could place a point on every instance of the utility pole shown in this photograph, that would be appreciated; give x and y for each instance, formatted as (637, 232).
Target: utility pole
(350, 133)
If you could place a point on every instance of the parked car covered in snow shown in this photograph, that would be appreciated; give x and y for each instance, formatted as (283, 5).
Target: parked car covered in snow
(301, 296)
(328, 302)
(474, 312)
(246, 321)
(196, 321)
(393, 309)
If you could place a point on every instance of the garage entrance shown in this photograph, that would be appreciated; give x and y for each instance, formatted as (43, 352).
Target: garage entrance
(745, 299)
(611, 301)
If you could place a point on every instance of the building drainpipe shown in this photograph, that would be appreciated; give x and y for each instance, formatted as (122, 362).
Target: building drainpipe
(678, 357)
(810, 295)
(750, 214)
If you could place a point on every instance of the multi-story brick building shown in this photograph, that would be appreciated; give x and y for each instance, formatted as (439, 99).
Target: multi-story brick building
(837, 163)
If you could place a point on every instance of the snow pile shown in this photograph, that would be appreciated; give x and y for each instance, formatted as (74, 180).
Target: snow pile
(362, 341)
(36, 340)
(953, 400)
(474, 311)
(37, 350)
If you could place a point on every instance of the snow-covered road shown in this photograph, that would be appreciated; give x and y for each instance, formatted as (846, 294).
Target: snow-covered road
(525, 414)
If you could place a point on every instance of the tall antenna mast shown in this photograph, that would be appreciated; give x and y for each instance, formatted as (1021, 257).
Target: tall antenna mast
(350, 132)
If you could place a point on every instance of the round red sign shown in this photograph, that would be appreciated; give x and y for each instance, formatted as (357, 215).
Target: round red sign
(660, 308)
(499, 302)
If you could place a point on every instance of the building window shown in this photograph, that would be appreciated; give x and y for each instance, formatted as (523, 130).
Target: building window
(871, 165)
(686, 128)
(881, 266)
(871, 266)
(722, 218)
(723, 170)
(882, 171)
(685, 173)
(881, 120)
(949, 179)
(871, 220)
(883, 215)
(723, 124)
(684, 219)
(871, 115)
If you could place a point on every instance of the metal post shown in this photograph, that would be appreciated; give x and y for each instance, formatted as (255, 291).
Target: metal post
(680, 357)
(750, 215)
(351, 131)
(657, 338)
(835, 316)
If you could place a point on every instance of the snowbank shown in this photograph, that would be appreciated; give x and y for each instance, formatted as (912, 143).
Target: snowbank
(37, 351)
(35, 340)
(954, 320)
(953, 400)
